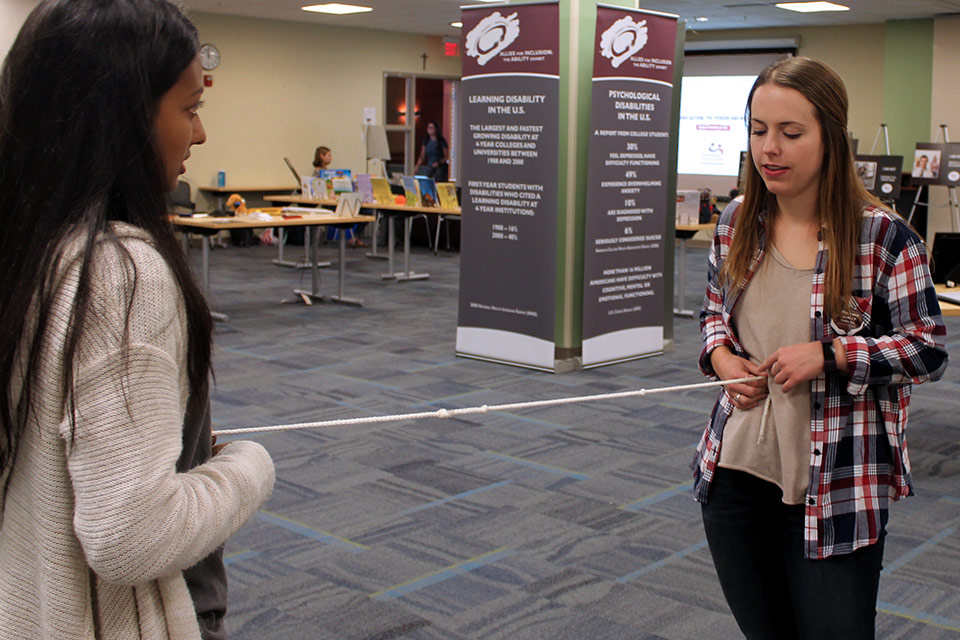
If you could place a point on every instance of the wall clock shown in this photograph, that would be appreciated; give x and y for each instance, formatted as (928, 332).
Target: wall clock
(209, 57)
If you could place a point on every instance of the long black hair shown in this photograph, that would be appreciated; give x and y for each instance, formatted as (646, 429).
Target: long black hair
(78, 99)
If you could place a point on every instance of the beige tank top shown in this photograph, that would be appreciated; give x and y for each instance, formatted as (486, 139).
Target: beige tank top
(773, 312)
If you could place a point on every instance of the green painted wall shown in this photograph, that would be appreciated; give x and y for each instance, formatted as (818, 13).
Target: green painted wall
(907, 85)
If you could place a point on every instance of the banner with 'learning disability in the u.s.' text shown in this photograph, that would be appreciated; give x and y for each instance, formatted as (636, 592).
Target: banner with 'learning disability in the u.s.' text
(510, 119)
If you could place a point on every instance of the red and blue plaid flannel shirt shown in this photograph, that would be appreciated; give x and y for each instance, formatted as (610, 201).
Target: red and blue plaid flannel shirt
(858, 448)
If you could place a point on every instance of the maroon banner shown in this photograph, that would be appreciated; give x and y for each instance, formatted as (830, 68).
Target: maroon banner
(511, 39)
(509, 108)
(627, 172)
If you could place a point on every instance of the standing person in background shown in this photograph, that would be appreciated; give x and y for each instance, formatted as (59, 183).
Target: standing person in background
(322, 158)
(434, 156)
(115, 501)
(813, 285)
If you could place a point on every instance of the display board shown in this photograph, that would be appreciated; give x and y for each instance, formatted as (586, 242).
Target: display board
(880, 175)
(510, 122)
(627, 200)
(936, 163)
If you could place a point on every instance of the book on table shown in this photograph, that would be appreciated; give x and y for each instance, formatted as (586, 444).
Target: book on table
(428, 191)
(952, 297)
(411, 191)
(365, 188)
(314, 188)
(340, 185)
(447, 192)
(336, 173)
(381, 190)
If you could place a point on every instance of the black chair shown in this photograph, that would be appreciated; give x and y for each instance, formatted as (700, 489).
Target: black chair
(179, 200)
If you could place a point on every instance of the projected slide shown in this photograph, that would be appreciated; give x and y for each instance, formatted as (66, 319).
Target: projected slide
(712, 130)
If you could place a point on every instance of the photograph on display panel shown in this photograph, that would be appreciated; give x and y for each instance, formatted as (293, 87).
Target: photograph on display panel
(926, 163)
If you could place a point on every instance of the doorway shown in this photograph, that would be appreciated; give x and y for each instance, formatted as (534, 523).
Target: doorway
(411, 103)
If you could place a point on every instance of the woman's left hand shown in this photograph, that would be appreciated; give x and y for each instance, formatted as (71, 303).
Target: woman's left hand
(796, 364)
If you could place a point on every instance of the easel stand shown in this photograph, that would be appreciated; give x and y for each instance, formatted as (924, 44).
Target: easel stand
(886, 146)
(951, 191)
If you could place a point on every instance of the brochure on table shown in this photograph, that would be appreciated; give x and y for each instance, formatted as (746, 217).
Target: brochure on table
(627, 199)
(510, 123)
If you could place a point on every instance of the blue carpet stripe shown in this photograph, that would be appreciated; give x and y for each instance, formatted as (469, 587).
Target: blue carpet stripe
(918, 616)
(249, 354)
(449, 398)
(661, 563)
(437, 503)
(239, 557)
(537, 465)
(369, 383)
(916, 551)
(298, 372)
(950, 499)
(666, 494)
(313, 534)
(444, 574)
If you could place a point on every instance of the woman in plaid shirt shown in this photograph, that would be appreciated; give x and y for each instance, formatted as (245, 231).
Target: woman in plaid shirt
(815, 286)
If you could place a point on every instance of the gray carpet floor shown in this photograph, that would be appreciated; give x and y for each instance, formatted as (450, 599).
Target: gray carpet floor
(571, 522)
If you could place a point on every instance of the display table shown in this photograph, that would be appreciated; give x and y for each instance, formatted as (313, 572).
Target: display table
(220, 192)
(685, 232)
(948, 308)
(208, 224)
(391, 211)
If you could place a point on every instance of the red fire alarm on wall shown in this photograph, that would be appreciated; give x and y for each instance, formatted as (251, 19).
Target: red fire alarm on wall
(207, 80)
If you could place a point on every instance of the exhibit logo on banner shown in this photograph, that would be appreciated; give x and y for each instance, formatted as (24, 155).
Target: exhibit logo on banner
(510, 162)
(627, 170)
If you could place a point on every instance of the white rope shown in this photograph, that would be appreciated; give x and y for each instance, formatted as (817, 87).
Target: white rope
(450, 413)
(763, 419)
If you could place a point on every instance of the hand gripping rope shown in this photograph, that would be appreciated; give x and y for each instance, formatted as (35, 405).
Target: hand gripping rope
(451, 413)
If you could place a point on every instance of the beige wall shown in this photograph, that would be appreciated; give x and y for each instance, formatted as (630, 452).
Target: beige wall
(856, 53)
(14, 12)
(283, 88)
(944, 109)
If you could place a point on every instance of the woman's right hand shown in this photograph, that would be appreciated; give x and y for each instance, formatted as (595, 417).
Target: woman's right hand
(745, 395)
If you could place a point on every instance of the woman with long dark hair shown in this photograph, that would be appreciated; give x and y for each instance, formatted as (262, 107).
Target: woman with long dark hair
(114, 499)
(434, 157)
(818, 288)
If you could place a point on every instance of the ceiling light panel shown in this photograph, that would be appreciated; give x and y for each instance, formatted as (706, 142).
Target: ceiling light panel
(812, 7)
(336, 8)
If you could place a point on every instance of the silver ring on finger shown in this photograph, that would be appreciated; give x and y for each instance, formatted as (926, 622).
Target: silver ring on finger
(737, 398)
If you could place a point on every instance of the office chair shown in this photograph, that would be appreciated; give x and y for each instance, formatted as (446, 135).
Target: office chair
(179, 200)
(441, 218)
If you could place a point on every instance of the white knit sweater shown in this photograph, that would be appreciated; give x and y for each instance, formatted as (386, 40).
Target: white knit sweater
(97, 525)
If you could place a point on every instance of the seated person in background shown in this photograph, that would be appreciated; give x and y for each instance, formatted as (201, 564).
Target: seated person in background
(322, 158)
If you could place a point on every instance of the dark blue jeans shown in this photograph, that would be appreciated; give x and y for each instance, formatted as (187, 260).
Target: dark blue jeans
(774, 593)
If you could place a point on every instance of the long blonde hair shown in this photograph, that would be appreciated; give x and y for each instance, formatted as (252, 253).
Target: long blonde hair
(841, 195)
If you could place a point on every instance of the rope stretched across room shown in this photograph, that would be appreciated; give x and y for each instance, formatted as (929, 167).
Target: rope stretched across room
(452, 413)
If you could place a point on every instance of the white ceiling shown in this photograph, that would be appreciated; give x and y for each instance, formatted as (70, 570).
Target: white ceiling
(433, 17)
